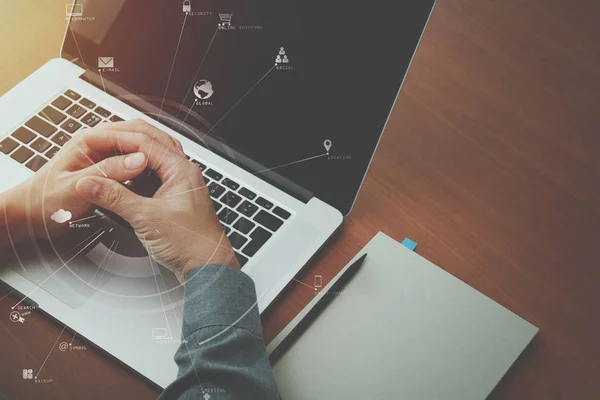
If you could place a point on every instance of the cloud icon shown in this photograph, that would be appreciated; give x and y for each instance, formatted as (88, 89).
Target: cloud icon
(61, 216)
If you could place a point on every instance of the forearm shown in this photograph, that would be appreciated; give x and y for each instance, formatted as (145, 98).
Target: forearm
(13, 221)
(224, 353)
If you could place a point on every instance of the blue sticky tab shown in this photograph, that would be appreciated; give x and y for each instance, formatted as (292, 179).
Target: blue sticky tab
(409, 244)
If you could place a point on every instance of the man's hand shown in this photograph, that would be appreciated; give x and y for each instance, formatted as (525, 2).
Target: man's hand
(178, 225)
(52, 188)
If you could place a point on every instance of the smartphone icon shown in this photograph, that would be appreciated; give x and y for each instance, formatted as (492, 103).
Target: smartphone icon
(318, 281)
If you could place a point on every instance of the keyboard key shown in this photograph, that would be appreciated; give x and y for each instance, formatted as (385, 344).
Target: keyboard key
(215, 190)
(115, 118)
(76, 111)
(22, 154)
(226, 229)
(247, 208)
(243, 225)
(213, 174)
(217, 205)
(199, 164)
(230, 184)
(227, 215)
(87, 103)
(247, 193)
(259, 237)
(237, 240)
(241, 259)
(102, 112)
(71, 126)
(62, 103)
(24, 135)
(61, 138)
(231, 199)
(188, 157)
(280, 212)
(264, 203)
(8, 145)
(40, 145)
(268, 221)
(53, 115)
(91, 119)
(41, 126)
(72, 94)
(52, 152)
(36, 163)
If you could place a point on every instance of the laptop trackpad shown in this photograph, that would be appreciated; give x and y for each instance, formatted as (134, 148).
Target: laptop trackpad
(72, 277)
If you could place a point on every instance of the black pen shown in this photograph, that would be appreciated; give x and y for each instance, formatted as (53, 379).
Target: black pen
(315, 307)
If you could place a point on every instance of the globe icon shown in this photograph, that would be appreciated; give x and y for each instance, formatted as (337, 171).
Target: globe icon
(203, 89)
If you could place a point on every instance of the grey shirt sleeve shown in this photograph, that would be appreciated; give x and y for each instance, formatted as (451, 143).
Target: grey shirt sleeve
(222, 355)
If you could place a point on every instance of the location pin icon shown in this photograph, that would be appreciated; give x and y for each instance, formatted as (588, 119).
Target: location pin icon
(327, 145)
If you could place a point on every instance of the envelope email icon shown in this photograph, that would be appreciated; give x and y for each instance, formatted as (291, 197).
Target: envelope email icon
(106, 62)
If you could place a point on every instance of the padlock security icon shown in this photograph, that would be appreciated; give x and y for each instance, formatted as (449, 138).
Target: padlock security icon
(187, 6)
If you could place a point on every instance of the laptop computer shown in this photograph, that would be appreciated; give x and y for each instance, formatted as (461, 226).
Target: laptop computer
(281, 104)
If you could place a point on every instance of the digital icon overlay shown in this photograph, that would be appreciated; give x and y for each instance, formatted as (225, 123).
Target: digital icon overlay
(106, 62)
(74, 10)
(203, 89)
(282, 57)
(159, 333)
(318, 281)
(225, 20)
(15, 316)
(61, 216)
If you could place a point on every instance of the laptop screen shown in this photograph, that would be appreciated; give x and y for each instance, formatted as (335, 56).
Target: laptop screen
(303, 88)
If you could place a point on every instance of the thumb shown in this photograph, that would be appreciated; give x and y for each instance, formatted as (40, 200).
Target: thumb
(111, 195)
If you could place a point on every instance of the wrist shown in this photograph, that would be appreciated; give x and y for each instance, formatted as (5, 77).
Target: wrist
(224, 257)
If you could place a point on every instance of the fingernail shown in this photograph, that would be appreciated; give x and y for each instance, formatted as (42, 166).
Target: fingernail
(88, 188)
(134, 161)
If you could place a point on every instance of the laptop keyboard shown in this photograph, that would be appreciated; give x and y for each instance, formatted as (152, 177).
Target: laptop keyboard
(40, 138)
(249, 220)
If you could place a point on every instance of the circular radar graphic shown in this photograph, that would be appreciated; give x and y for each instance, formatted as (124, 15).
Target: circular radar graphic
(203, 89)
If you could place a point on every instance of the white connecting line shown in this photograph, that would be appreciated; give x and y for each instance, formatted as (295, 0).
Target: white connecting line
(82, 219)
(61, 267)
(255, 173)
(92, 161)
(238, 102)
(313, 288)
(79, 51)
(194, 79)
(102, 79)
(51, 350)
(222, 118)
(184, 342)
(158, 292)
(185, 97)
(172, 66)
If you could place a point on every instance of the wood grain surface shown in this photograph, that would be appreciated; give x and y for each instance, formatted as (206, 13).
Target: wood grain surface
(490, 162)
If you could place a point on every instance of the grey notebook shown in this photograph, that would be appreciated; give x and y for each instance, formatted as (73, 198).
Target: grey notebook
(402, 328)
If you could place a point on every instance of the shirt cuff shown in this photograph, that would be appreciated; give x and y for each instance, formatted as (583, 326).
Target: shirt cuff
(218, 295)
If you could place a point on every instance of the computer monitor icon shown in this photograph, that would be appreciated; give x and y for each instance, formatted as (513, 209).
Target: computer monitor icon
(159, 333)
(74, 10)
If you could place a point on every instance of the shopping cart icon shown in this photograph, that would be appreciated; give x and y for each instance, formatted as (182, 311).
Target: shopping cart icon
(225, 19)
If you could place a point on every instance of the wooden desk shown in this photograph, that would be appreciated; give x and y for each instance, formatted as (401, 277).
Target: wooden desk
(490, 162)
